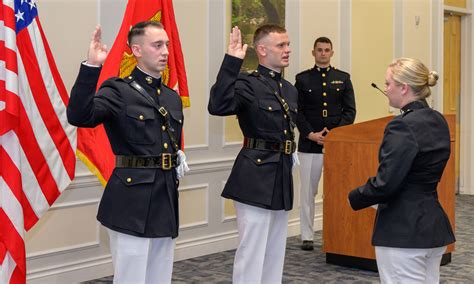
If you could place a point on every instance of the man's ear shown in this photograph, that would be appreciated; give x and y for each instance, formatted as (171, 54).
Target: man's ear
(136, 50)
(261, 50)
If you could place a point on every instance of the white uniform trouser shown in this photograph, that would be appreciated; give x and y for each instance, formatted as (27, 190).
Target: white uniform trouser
(311, 166)
(141, 260)
(262, 243)
(406, 265)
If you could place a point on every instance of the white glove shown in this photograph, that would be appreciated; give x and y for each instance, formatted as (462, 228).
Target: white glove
(183, 166)
(296, 161)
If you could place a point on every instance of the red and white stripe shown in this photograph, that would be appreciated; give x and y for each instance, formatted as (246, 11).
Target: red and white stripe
(37, 145)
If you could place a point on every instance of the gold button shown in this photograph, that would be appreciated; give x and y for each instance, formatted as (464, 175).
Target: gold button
(282, 100)
(337, 89)
(276, 93)
(141, 117)
(325, 104)
(269, 108)
(129, 180)
(165, 145)
(285, 116)
(163, 127)
(324, 94)
(180, 121)
(259, 161)
(281, 85)
(324, 75)
(285, 131)
(158, 91)
(324, 83)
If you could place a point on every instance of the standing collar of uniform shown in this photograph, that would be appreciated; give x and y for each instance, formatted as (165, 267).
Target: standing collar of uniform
(414, 105)
(267, 72)
(322, 69)
(146, 79)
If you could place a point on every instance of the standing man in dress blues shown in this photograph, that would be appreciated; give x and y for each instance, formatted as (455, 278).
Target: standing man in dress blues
(261, 183)
(325, 101)
(143, 119)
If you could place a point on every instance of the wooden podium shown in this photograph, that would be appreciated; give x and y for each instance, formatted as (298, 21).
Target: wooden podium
(350, 158)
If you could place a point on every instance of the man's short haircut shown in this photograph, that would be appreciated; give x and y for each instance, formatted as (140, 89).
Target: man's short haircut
(139, 29)
(322, 39)
(265, 30)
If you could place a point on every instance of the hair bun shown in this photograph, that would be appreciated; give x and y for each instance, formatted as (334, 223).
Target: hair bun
(432, 78)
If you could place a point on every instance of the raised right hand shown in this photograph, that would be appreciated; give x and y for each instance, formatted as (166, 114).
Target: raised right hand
(97, 51)
(236, 48)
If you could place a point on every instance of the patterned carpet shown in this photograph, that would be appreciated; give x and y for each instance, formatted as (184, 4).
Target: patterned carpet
(311, 267)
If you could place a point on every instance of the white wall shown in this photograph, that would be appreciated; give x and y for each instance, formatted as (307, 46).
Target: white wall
(68, 244)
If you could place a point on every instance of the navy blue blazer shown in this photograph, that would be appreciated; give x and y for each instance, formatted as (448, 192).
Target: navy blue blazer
(412, 158)
(136, 201)
(325, 99)
(259, 177)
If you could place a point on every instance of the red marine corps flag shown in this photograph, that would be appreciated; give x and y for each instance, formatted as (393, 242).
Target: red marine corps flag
(93, 145)
(37, 144)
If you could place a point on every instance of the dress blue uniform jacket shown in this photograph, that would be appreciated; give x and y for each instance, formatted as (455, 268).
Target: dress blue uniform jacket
(136, 201)
(325, 99)
(259, 177)
(412, 157)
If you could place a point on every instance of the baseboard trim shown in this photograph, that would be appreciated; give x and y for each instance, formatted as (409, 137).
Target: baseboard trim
(73, 272)
(210, 244)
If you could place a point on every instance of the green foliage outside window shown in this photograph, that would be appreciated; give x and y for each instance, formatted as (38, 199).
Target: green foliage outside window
(248, 15)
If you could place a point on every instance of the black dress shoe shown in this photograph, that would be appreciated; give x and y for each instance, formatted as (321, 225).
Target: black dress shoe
(307, 245)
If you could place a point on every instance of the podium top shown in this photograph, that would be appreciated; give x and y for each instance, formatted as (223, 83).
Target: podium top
(371, 132)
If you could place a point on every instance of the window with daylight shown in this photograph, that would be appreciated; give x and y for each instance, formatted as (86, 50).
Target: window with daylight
(248, 15)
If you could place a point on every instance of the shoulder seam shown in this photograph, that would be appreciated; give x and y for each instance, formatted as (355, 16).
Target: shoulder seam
(303, 72)
(342, 71)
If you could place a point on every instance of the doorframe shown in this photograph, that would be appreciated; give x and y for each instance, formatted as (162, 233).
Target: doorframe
(466, 119)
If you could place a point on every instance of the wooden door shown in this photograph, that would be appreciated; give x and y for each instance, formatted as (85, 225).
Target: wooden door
(452, 75)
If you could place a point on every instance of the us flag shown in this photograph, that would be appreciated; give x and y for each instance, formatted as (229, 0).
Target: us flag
(37, 145)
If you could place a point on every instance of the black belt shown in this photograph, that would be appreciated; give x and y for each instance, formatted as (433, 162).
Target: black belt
(288, 146)
(165, 161)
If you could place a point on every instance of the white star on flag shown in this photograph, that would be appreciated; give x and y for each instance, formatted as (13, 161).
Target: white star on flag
(19, 16)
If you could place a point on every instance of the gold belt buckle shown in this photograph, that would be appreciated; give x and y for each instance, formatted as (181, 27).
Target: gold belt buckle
(325, 113)
(163, 111)
(288, 147)
(166, 161)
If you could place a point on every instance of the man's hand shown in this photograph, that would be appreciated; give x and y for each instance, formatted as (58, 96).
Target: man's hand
(318, 137)
(236, 48)
(97, 51)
